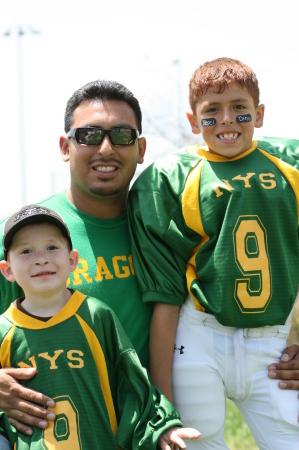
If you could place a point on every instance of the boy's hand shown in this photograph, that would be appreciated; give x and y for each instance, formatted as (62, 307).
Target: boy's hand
(172, 438)
(19, 402)
(288, 369)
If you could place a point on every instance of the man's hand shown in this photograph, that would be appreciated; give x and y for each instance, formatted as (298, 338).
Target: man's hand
(288, 369)
(172, 438)
(19, 402)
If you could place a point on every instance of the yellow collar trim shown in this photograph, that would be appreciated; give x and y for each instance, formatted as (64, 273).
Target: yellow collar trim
(204, 153)
(17, 317)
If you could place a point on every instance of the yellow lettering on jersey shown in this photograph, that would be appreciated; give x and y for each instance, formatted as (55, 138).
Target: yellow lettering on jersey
(271, 183)
(102, 270)
(81, 272)
(125, 269)
(245, 179)
(27, 366)
(229, 187)
(71, 356)
(52, 359)
(218, 185)
(131, 265)
(64, 437)
(252, 264)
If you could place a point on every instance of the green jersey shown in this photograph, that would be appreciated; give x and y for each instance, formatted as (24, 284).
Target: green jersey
(86, 363)
(226, 230)
(105, 269)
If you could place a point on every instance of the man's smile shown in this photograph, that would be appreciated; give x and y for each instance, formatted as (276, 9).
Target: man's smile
(106, 169)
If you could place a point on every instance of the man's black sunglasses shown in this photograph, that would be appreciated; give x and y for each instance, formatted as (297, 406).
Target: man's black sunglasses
(95, 135)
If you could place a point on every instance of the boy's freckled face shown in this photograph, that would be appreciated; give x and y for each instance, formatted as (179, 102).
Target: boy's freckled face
(40, 259)
(227, 137)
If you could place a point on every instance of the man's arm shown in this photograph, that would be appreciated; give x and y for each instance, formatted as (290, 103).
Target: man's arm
(20, 403)
(162, 338)
(288, 369)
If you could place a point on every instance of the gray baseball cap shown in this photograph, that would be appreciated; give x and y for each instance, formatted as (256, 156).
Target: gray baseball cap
(32, 214)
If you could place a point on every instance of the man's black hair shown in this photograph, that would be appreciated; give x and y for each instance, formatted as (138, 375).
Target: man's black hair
(102, 90)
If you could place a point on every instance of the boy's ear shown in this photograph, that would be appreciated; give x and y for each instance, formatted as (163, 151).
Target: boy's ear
(259, 116)
(193, 123)
(6, 270)
(74, 258)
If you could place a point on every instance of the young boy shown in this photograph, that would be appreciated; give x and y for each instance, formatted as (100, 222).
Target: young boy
(103, 397)
(215, 229)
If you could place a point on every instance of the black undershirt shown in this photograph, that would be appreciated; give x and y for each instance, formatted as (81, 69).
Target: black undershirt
(18, 304)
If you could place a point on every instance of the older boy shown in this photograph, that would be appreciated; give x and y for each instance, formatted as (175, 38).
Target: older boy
(225, 218)
(85, 361)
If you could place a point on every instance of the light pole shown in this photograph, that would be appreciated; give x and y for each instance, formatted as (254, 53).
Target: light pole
(178, 62)
(20, 31)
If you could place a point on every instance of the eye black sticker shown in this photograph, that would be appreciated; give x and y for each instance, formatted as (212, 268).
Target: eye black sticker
(243, 118)
(208, 122)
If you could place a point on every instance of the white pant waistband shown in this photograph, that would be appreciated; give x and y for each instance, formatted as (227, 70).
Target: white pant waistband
(196, 317)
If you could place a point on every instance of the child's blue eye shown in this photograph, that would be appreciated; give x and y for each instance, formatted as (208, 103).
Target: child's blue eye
(211, 110)
(52, 247)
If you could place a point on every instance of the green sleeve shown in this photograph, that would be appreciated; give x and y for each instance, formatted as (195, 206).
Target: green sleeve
(161, 241)
(288, 149)
(143, 412)
(6, 429)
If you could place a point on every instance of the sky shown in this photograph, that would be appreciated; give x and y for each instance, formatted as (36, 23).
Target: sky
(152, 47)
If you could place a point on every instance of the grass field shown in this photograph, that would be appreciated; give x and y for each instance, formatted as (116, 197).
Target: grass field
(237, 434)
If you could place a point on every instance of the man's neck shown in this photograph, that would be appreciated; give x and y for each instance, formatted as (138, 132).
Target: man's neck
(108, 207)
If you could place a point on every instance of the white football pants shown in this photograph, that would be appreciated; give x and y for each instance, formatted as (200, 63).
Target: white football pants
(212, 362)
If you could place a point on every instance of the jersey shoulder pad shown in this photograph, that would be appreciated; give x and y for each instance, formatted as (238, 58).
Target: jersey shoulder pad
(285, 149)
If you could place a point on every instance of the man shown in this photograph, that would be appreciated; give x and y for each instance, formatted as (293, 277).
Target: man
(102, 165)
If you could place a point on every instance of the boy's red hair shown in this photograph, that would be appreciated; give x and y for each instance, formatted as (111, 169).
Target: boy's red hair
(219, 74)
